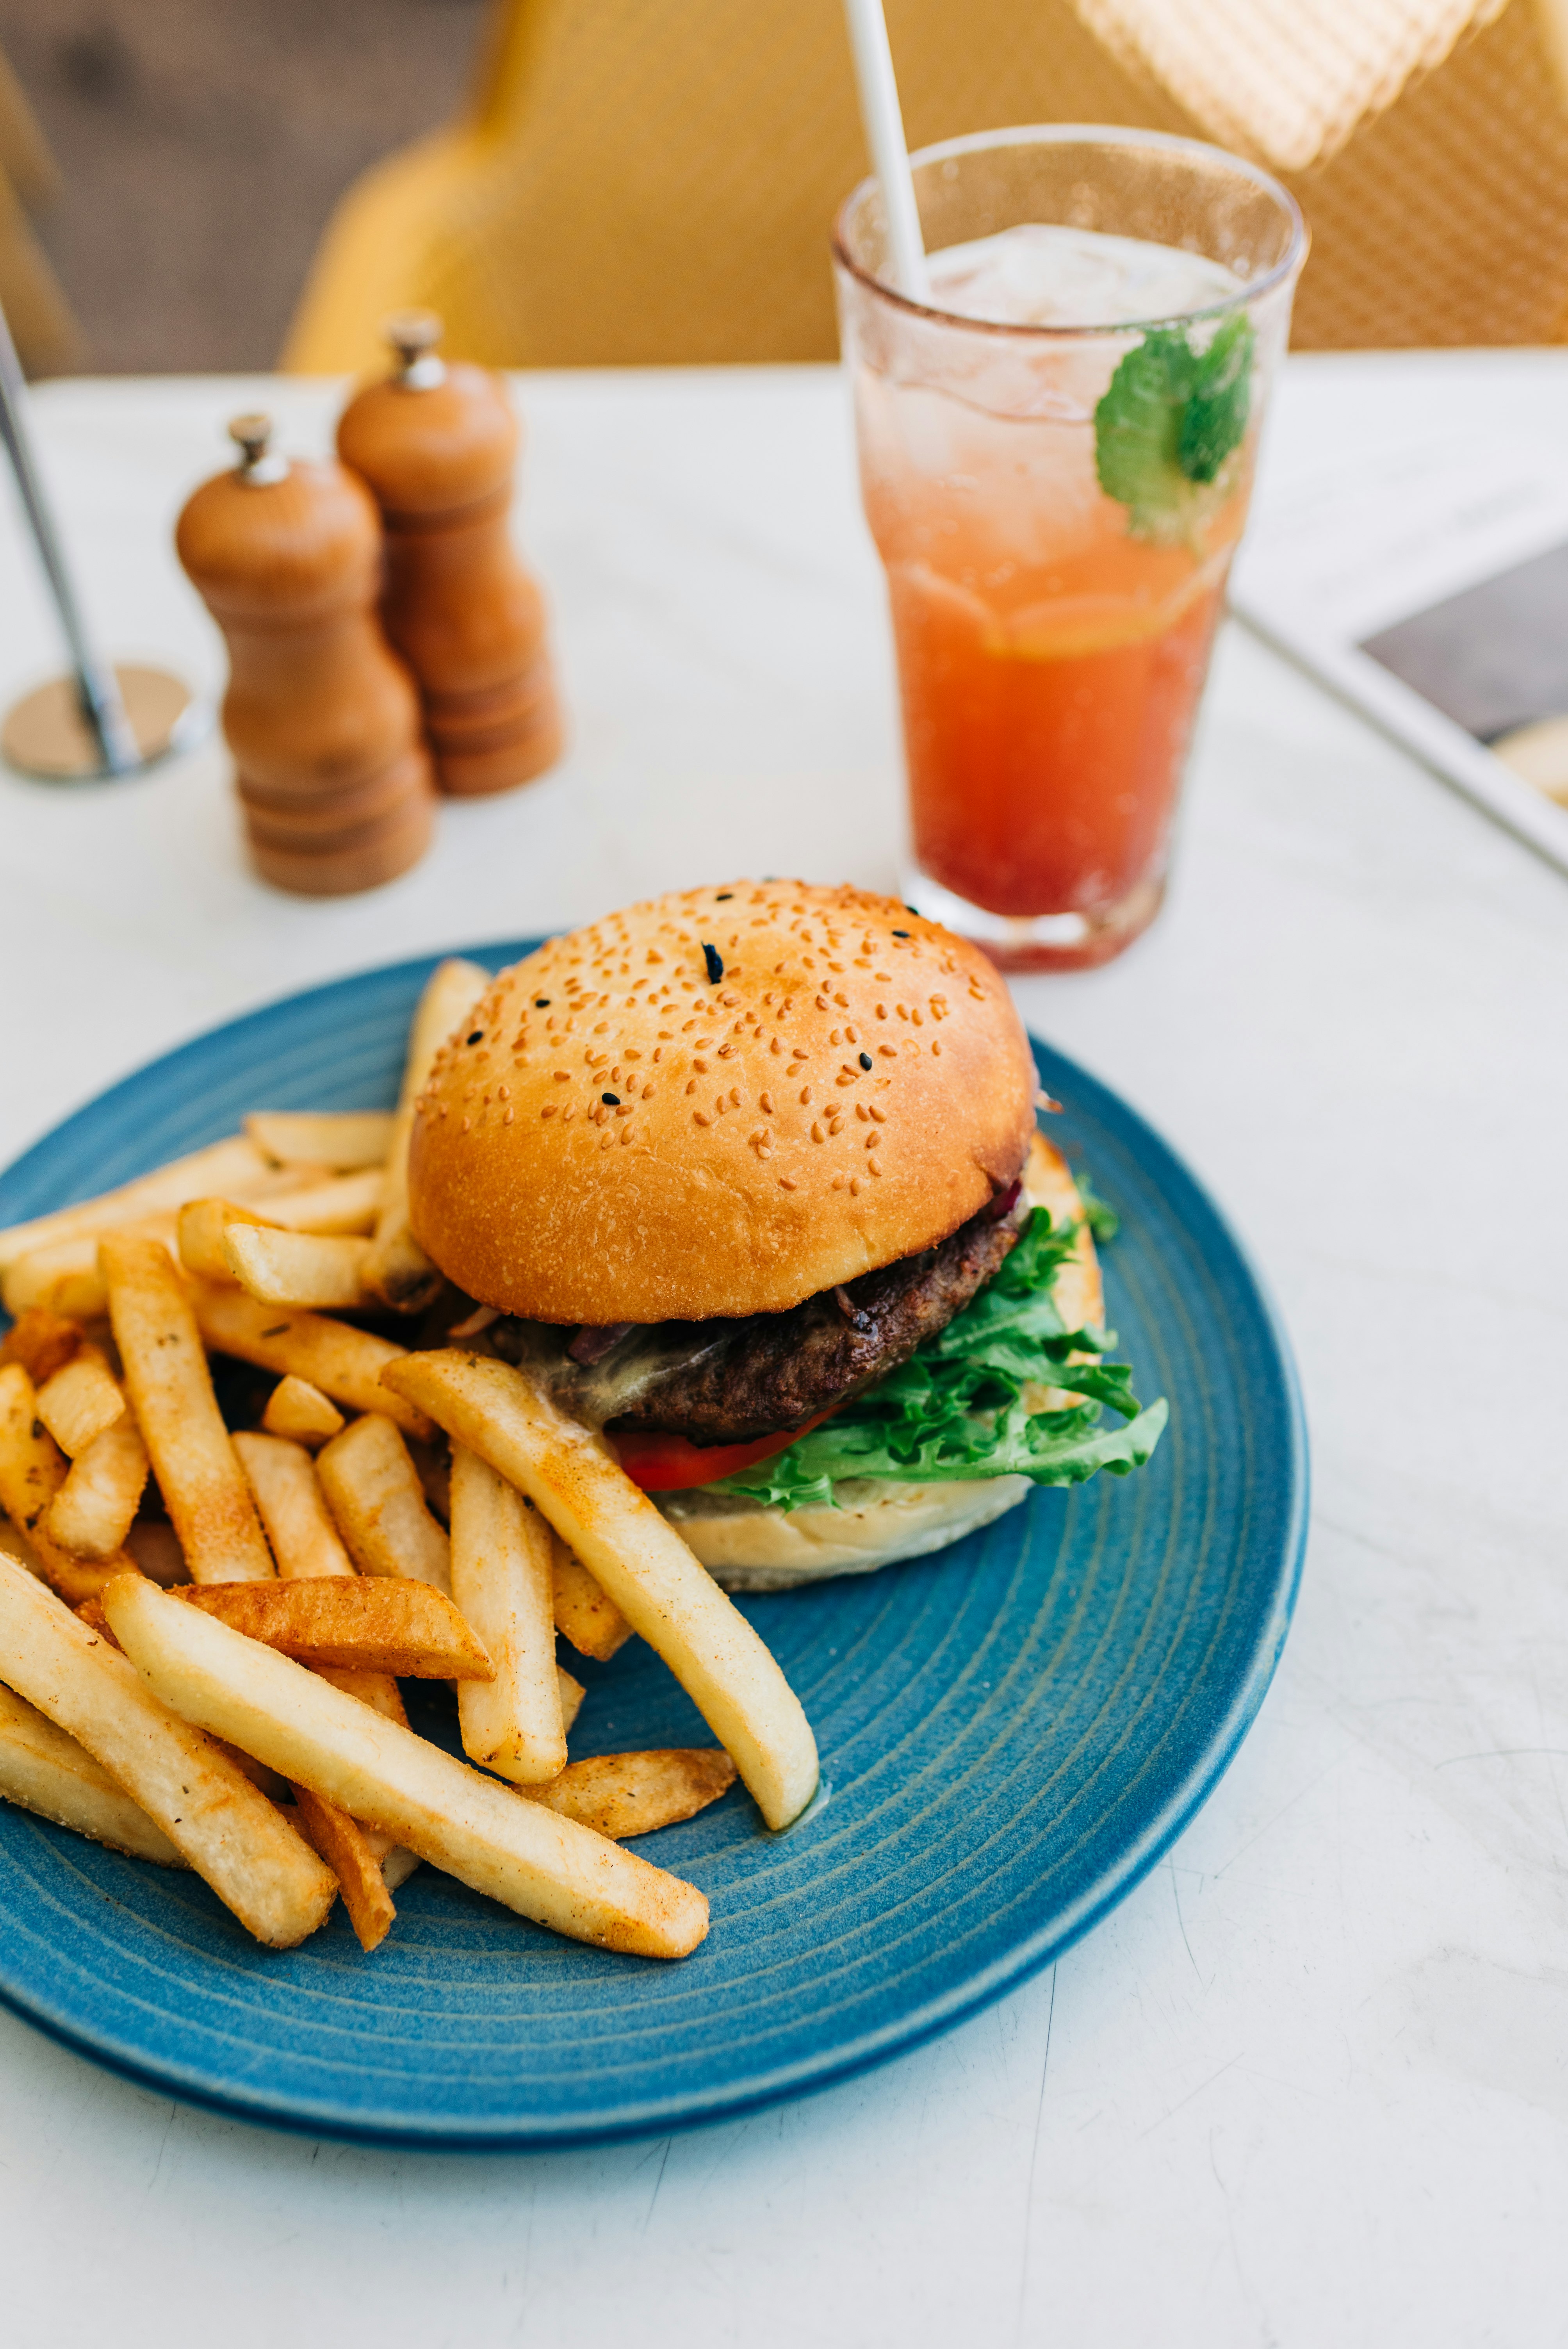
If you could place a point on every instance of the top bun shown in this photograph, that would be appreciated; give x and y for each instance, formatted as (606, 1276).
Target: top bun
(719, 1103)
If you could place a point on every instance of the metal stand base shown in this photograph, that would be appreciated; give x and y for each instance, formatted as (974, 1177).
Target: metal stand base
(48, 734)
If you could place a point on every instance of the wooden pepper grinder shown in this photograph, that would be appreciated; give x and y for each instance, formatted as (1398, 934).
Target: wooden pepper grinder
(437, 441)
(321, 717)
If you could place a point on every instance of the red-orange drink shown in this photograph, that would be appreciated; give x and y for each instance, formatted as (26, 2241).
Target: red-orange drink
(1056, 525)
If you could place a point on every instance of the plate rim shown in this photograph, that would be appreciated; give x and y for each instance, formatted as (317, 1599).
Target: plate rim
(805, 2076)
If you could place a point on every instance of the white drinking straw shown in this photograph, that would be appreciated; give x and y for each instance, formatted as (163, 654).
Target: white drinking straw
(883, 121)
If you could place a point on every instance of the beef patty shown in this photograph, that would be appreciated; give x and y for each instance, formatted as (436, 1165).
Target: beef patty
(773, 1371)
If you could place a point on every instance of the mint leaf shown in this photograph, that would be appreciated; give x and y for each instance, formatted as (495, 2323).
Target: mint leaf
(1169, 419)
(958, 1408)
(1215, 419)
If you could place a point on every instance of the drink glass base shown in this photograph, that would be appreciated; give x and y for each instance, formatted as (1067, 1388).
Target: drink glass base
(1039, 942)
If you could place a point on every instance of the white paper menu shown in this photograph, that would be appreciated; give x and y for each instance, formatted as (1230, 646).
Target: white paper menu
(1409, 547)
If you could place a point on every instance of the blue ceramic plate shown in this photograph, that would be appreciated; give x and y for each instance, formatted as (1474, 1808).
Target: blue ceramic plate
(1012, 1733)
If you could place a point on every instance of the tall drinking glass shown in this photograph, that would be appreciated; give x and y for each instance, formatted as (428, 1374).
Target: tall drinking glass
(1056, 455)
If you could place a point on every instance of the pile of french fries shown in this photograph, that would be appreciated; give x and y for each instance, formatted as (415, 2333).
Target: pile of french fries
(202, 1628)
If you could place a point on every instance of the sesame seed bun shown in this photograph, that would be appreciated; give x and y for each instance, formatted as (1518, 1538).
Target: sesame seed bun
(876, 1521)
(719, 1103)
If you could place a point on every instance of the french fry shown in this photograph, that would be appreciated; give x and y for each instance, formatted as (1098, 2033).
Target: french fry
(399, 1271)
(66, 1277)
(301, 1269)
(571, 1695)
(343, 1363)
(95, 1508)
(348, 1850)
(170, 1391)
(31, 1471)
(339, 1138)
(223, 1826)
(347, 1204)
(374, 1492)
(235, 1167)
(501, 1579)
(361, 1624)
(637, 1557)
(594, 1624)
(292, 1507)
(342, 1203)
(80, 1401)
(378, 1690)
(297, 1410)
(200, 1232)
(43, 1343)
(547, 1868)
(48, 1773)
(625, 1795)
(306, 1545)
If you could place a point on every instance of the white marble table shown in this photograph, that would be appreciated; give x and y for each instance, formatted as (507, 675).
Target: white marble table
(1309, 2085)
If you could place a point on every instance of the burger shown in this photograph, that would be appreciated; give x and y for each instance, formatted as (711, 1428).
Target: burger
(749, 1178)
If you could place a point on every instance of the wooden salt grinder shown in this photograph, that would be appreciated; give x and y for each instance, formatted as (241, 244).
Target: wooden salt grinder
(321, 716)
(437, 441)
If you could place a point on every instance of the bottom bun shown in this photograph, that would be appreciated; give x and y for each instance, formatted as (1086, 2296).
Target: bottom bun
(877, 1520)
(746, 1546)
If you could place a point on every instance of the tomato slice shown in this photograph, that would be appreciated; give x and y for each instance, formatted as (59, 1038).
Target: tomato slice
(672, 1463)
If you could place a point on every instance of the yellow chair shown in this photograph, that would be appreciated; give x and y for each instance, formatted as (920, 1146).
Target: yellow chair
(46, 336)
(652, 180)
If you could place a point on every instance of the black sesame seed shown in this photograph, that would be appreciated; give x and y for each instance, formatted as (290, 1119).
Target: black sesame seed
(611, 1101)
(723, 896)
(914, 910)
(542, 1002)
(477, 1037)
(901, 934)
(715, 962)
(865, 1059)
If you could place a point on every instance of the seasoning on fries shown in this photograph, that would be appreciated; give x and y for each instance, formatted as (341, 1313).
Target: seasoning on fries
(303, 1269)
(358, 1623)
(625, 1795)
(548, 1868)
(224, 1826)
(374, 1491)
(636, 1555)
(502, 1580)
(296, 1408)
(170, 1391)
(46, 1772)
(343, 1363)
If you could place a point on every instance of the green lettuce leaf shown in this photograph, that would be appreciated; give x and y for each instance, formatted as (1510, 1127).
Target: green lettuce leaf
(958, 1408)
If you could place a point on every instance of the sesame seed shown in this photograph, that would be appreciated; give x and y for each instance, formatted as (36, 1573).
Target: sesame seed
(865, 1059)
(610, 1101)
(542, 1002)
(715, 962)
(723, 896)
(785, 1183)
(901, 934)
(477, 1037)
(698, 1118)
